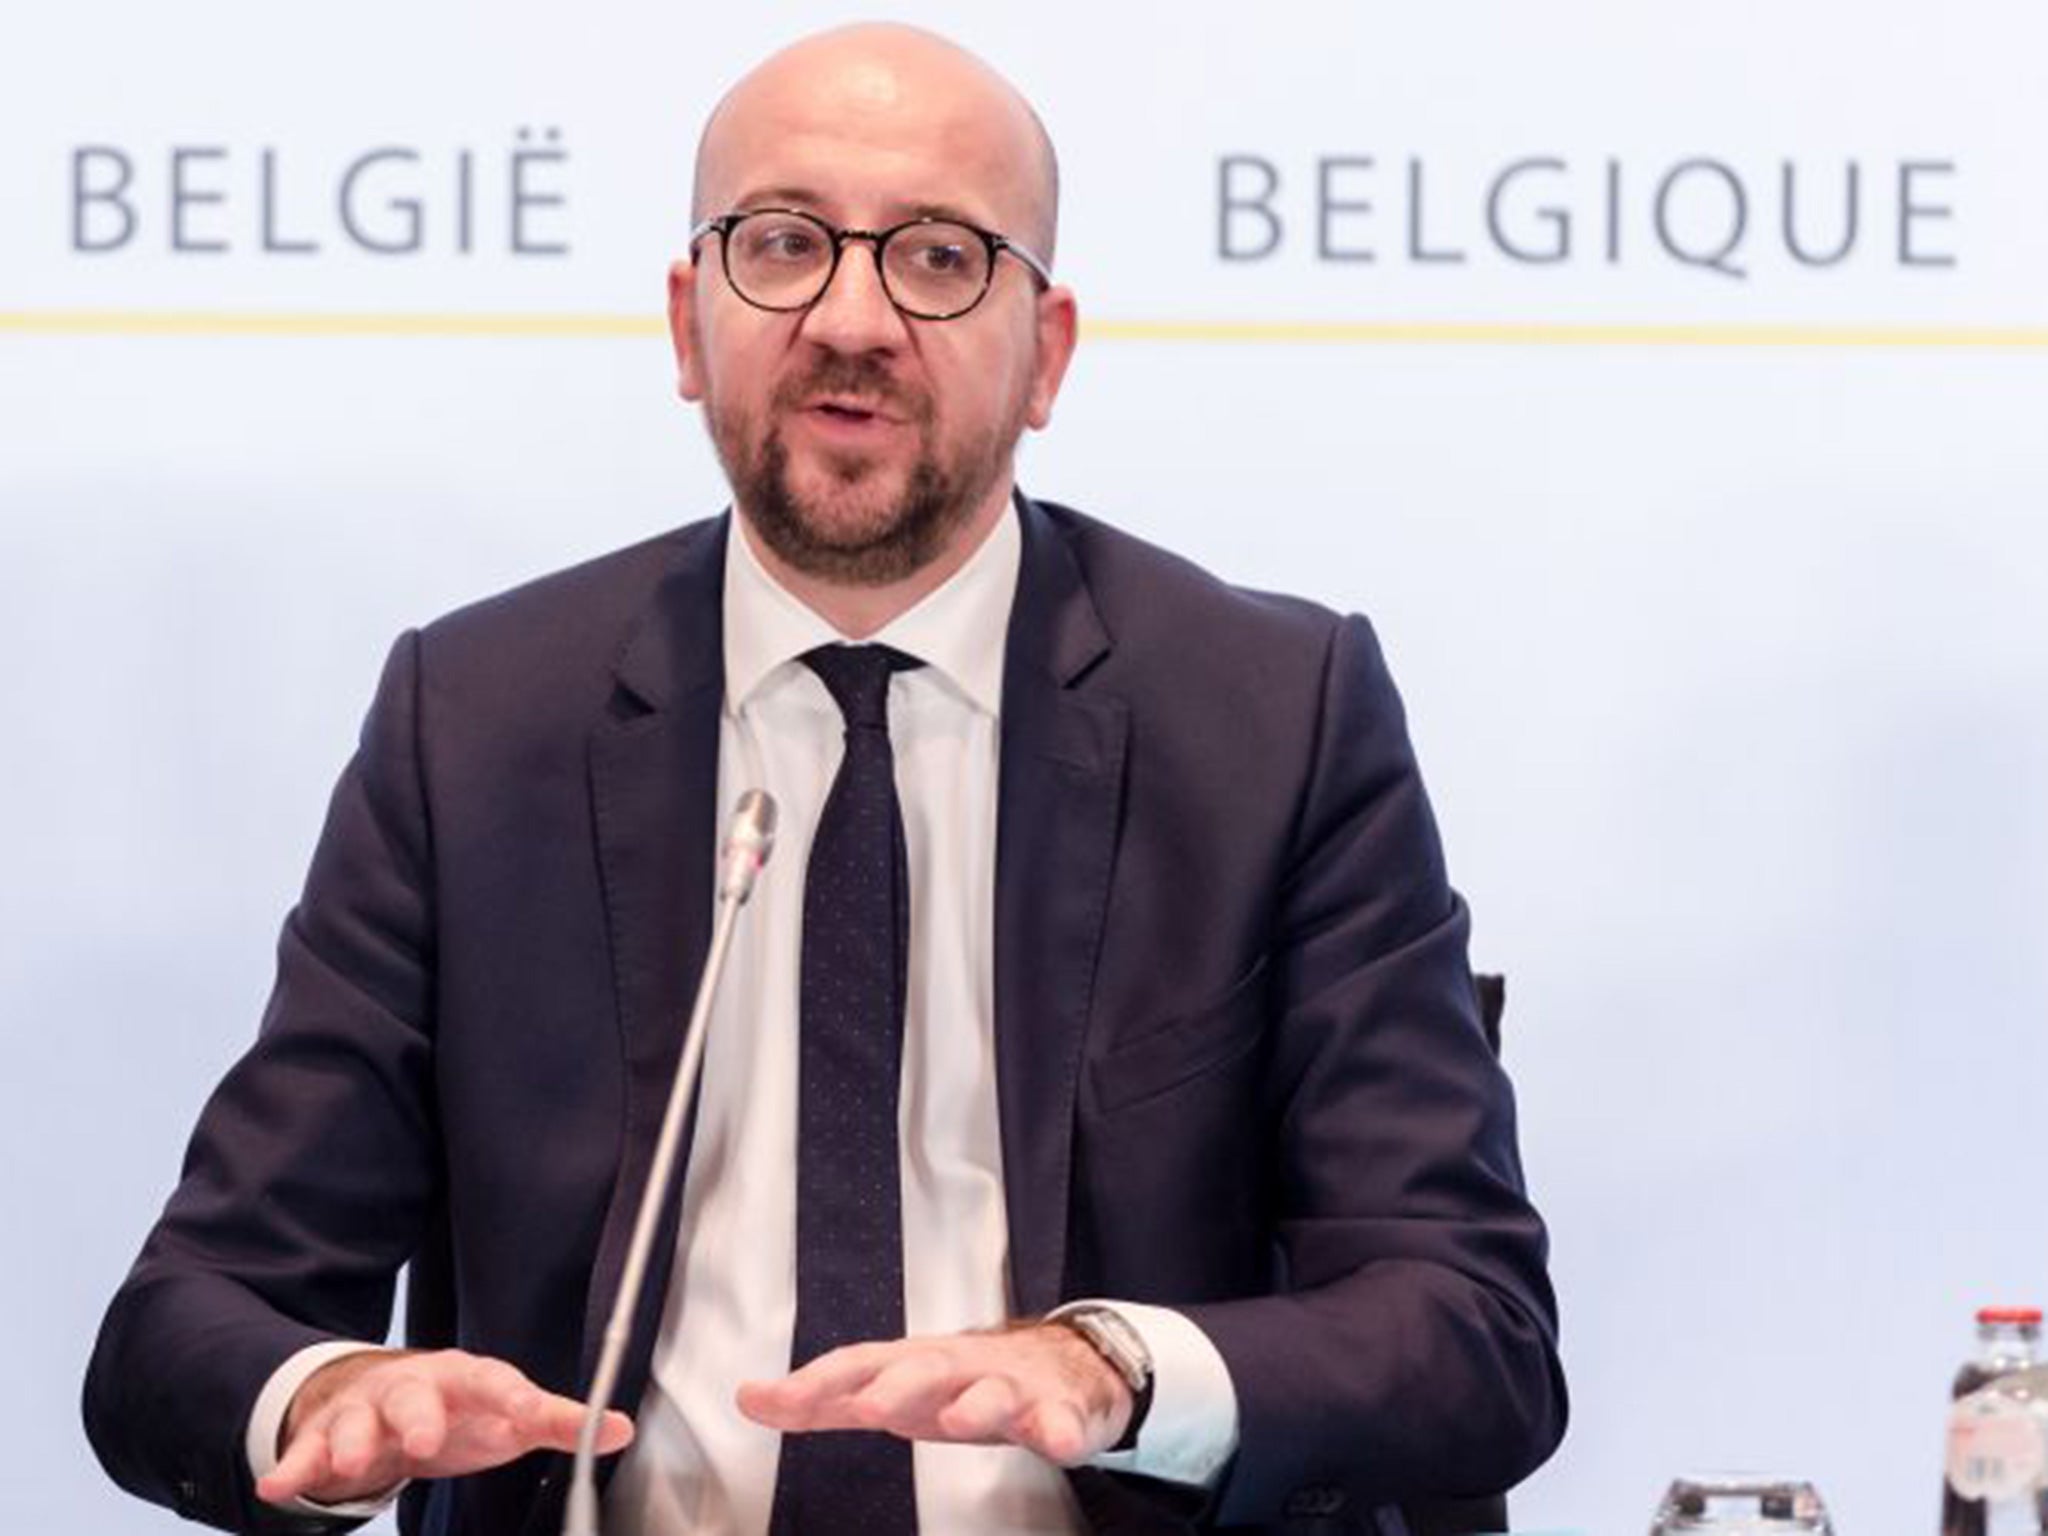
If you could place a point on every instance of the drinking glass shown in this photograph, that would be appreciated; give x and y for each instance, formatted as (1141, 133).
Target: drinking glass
(1741, 1504)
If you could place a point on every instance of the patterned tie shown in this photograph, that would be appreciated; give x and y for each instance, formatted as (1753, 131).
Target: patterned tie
(849, 1202)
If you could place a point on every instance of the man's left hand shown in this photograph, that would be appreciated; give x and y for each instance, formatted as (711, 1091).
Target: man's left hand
(1040, 1386)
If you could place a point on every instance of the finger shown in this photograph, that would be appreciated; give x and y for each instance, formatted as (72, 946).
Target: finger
(983, 1414)
(506, 1412)
(476, 1442)
(533, 1418)
(615, 1433)
(356, 1438)
(556, 1423)
(495, 1386)
(842, 1372)
(413, 1410)
(766, 1403)
(1056, 1429)
(904, 1397)
(790, 1401)
(304, 1464)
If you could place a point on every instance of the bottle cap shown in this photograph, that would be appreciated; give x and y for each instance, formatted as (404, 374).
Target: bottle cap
(2020, 1315)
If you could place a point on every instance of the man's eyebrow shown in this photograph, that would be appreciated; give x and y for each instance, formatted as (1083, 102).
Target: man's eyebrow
(779, 197)
(810, 200)
(943, 211)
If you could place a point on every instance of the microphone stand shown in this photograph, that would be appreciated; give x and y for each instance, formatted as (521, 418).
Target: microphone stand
(746, 850)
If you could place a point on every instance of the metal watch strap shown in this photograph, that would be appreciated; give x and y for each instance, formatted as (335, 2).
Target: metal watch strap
(1110, 1334)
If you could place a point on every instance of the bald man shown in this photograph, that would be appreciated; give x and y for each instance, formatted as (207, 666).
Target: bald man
(1206, 1192)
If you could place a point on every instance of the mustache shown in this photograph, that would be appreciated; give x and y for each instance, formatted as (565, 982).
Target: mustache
(861, 375)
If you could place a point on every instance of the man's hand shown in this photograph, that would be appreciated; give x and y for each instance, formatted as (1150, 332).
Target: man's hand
(1041, 1386)
(366, 1422)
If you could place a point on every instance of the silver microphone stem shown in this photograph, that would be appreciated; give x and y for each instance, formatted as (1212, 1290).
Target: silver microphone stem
(751, 838)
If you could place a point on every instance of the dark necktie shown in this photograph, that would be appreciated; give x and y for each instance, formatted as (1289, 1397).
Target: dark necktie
(849, 1202)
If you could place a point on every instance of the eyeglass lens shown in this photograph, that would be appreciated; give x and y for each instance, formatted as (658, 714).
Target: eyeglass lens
(783, 261)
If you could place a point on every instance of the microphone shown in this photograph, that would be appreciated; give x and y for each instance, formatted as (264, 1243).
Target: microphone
(747, 845)
(749, 839)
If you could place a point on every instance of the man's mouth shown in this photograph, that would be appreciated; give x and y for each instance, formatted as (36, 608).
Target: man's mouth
(846, 410)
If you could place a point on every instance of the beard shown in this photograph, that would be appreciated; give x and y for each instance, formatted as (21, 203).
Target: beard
(852, 526)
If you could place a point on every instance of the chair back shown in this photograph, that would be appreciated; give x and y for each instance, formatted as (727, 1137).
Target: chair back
(1469, 1517)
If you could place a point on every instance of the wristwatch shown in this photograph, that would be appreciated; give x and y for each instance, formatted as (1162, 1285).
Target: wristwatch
(1111, 1336)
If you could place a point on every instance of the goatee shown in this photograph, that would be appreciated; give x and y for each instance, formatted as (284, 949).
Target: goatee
(853, 545)
(902, 542)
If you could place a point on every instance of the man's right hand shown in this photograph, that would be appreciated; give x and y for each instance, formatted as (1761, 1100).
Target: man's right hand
(365, 1423)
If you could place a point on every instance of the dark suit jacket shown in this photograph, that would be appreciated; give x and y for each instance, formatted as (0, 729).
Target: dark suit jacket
(1239, 1067)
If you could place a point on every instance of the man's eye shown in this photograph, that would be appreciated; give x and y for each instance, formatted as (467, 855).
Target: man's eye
(942, 260)
(786, 242)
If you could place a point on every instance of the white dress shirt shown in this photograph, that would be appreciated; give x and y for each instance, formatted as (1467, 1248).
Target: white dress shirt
(697, 1466)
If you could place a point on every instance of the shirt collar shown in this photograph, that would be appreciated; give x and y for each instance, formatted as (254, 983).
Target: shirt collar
(959, 629)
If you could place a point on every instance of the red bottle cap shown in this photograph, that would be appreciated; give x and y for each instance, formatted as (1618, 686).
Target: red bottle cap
(2021, 1315)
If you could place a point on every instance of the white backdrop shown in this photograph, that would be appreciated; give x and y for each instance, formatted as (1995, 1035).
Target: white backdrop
(1718, 600)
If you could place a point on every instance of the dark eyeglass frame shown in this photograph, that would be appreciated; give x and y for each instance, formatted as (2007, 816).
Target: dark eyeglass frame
(878, 239)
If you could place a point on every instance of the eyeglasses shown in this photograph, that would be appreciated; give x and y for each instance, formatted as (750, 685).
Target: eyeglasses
(783, 259)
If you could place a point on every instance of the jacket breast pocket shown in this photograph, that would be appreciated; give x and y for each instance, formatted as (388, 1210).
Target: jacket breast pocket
(1163, 1056)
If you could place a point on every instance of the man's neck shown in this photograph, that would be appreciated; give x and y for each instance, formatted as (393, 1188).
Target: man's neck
(860, 611)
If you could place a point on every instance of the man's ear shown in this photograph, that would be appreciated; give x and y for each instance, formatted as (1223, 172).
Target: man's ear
(682, 328)
(1058, 321)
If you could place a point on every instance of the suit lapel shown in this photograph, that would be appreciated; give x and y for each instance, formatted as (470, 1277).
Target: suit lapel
(654, 783)
(1061, 797)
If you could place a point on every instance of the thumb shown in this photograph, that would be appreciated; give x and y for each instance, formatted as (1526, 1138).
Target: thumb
(614, 1434)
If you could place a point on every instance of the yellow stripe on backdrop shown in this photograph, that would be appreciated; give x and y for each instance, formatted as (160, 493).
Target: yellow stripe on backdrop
(303, 323)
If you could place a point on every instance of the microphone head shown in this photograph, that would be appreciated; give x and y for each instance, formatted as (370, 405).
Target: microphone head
(748, 841)
(753, 823)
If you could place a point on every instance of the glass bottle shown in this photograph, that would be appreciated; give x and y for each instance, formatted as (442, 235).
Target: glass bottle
(1998, 1432)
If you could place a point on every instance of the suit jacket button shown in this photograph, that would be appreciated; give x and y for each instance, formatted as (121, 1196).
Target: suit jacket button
(1315, 1500)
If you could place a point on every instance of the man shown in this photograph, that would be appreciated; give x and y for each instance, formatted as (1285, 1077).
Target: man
(1158, 933)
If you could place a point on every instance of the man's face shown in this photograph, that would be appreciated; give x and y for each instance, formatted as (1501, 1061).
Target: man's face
(861, 443)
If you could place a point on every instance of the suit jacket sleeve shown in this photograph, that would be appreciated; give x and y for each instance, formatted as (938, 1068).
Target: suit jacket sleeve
(310, 1176)
(1409, 1349)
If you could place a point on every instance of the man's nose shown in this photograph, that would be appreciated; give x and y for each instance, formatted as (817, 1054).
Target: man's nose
(854, 314)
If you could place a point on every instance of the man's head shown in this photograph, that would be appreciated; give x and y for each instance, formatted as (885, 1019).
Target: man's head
(866, 447)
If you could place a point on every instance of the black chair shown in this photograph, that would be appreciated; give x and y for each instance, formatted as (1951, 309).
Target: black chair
(1458, 1517)
(1492, 992)
(1469, 1517)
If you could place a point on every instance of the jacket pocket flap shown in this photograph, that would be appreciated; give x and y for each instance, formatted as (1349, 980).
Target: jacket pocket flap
(1165, 1055)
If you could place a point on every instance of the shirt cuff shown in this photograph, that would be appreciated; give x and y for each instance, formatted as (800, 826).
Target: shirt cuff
(266, 1426)
(1190, 1433)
